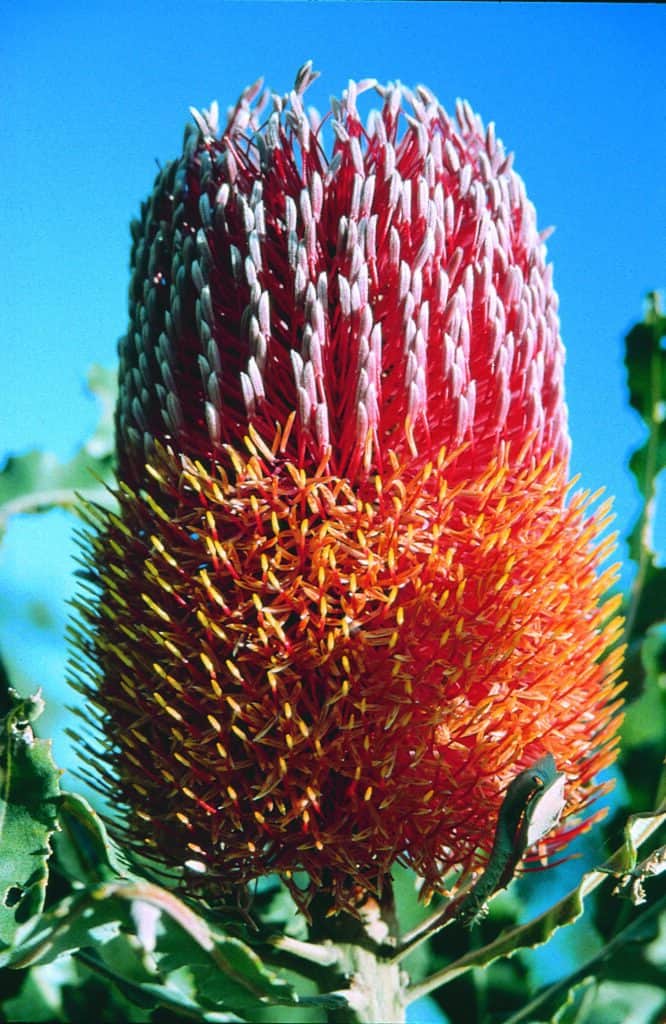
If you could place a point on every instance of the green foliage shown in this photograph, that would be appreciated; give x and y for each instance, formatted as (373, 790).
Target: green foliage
(85, 852)
(29, 789)
(587, 982)
(65, 990)
(624, 861)
(644, 725)
(154, 947)
(644, 728)
(645, 360)
(37, 481)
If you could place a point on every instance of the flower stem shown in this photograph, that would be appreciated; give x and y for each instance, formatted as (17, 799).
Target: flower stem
(374, 986)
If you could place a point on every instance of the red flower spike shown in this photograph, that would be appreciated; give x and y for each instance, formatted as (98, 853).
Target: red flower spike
(345, 599)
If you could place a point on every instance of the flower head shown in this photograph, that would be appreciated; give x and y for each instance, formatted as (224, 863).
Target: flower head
(345, 597)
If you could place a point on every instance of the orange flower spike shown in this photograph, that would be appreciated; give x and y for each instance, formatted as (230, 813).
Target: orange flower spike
(346, 597)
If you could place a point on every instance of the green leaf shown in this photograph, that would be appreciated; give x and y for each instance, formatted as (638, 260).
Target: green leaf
(6, 699)
(579, 995)
(159, 936)
(628, 945)
(29, 790)
(228, 973)
(40, 995)
(77, 922)
(645, 360)
(38, 481)
(66, 990)
(277, 911)
(644, 726)
(168, 996)
(567, 910)
(85, 852)
(626, 1003)
(645, 718)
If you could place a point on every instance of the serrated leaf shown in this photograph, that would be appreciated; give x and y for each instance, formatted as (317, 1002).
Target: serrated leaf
(38, 481)
(29, 790)
(126, 957)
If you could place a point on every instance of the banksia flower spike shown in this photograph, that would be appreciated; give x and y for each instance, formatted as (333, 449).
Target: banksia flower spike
(346, 596)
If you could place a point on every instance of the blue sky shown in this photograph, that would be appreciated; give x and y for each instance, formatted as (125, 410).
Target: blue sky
(95, 94)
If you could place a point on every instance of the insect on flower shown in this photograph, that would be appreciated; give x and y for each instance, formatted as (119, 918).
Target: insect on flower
(532, 806)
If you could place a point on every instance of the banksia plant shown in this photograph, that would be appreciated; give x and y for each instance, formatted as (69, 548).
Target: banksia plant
(346, 596)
